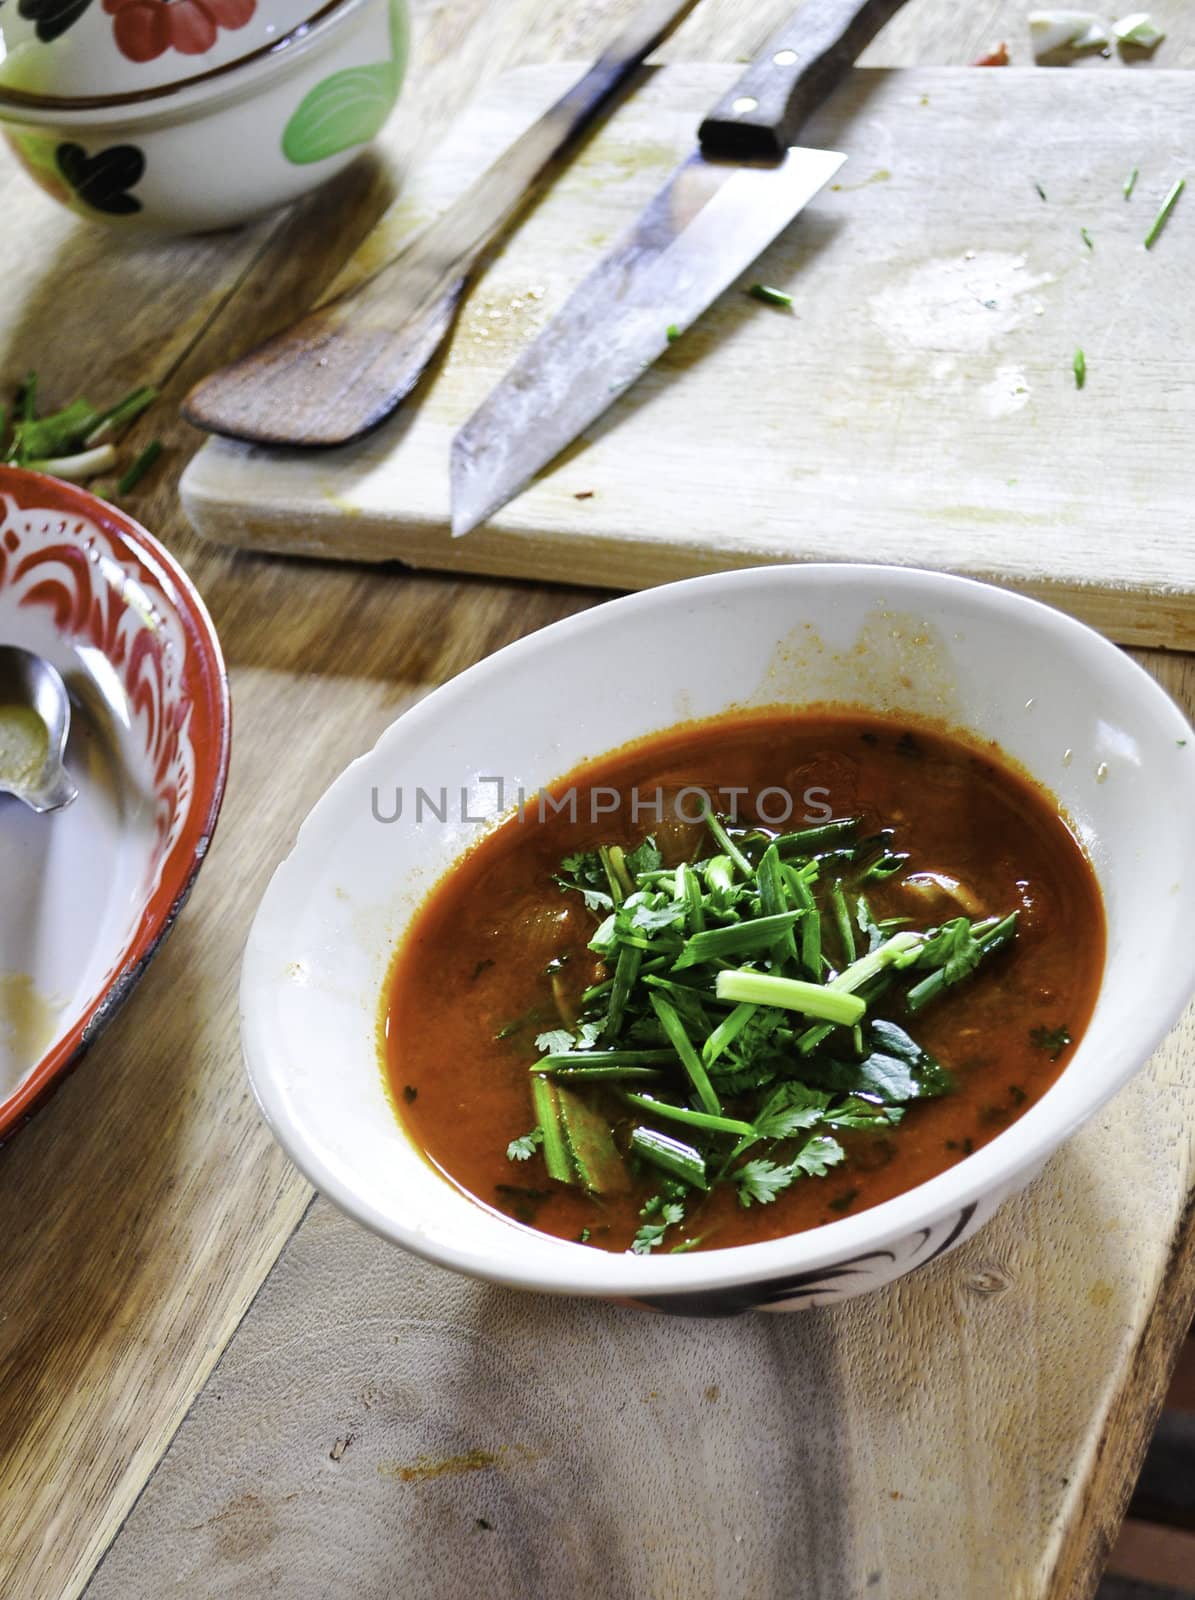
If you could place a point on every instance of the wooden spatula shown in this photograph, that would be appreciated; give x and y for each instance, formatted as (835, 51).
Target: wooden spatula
(342, 369)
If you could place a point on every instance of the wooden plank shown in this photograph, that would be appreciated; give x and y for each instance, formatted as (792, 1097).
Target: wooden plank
(919, 408)
(932, 1441)
(146, 1203)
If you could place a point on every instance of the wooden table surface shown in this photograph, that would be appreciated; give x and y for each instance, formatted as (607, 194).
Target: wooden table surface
(377, 1427)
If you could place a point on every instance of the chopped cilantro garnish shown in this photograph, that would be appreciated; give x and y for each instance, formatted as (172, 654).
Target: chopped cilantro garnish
(524, 1147)
(1052, 1040)
(742, 1026)
(652, 1234)
(1079, 367)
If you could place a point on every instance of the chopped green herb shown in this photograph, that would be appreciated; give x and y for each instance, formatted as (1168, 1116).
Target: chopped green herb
(1079, 367)
(140, 467)
(762, 1181)
(794, 994)
(556, 1156)
(1039, 189)
(1086, 238)
(1053, 1040)
(524, 1147)
(73, 442)
(651, 1234)
(769, 296)
(1130, 183)
(722, 1047)
(671, 1155)
(964, 948)
(1159, 222)
(673, 333)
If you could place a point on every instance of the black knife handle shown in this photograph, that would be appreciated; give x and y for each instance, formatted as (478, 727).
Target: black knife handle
(794, 72)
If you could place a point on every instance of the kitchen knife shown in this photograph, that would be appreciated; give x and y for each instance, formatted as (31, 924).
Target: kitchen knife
(343, 368)
(713, 217)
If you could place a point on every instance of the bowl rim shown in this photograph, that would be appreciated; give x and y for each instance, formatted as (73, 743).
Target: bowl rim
(212, 717)
(959, 1191)
(36, 109)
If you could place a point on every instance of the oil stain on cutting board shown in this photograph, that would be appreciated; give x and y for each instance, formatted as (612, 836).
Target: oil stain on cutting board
(916, 405)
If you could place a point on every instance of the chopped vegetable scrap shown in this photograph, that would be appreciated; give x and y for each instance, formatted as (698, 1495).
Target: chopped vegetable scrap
(77, 442)
(1066, 30)
(1085, 30)
(1138, 29)
(770, 297)
(997, 56)
(1163, 216)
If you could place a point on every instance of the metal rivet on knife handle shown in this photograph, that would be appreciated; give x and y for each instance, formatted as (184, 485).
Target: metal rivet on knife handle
(759, 118)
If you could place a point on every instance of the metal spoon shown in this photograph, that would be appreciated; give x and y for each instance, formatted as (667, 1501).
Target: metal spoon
(35, 718)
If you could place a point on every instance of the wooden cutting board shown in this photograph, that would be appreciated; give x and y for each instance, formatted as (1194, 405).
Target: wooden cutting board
(917, 405)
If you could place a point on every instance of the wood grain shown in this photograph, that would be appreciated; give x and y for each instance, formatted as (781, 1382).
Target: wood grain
(917, 407)
(928, 1442)
(143, 1208)
(347, 365)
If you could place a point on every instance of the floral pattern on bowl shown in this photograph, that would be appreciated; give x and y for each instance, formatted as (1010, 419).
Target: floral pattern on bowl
(82, 49)
(92, 890)
(213, 152)
(144, 29)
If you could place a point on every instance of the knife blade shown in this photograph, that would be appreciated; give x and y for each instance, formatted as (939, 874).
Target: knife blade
(714, 216)
(344, 367)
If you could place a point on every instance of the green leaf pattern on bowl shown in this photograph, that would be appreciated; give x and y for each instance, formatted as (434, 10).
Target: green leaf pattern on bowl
(349, 107)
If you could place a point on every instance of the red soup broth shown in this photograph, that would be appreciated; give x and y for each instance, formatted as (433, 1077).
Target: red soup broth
(470, 987)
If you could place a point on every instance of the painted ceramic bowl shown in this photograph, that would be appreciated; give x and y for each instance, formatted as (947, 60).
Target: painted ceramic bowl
(202, 139)
(1070, 708)
(90, 891)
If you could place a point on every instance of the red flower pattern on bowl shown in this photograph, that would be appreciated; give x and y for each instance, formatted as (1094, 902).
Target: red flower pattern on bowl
(146, 29)
(81, 575)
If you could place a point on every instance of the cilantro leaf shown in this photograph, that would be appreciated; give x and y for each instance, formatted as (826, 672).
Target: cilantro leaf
(644, 858)
(584, 873)
(649, 913)
(954, 948)
(1053, 1040)
(762, 1181)
(816, 1158)
(525, 1146)
(895, 1070)
(790, 1109)
(754, 1059)
(857, 1112)
(556, 1042)
(652, 1233)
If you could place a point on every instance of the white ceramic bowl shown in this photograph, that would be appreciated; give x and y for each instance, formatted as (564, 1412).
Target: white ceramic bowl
(223, 146)
(1059, 699)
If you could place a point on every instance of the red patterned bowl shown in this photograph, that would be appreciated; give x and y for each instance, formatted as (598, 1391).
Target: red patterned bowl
(90, 891)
